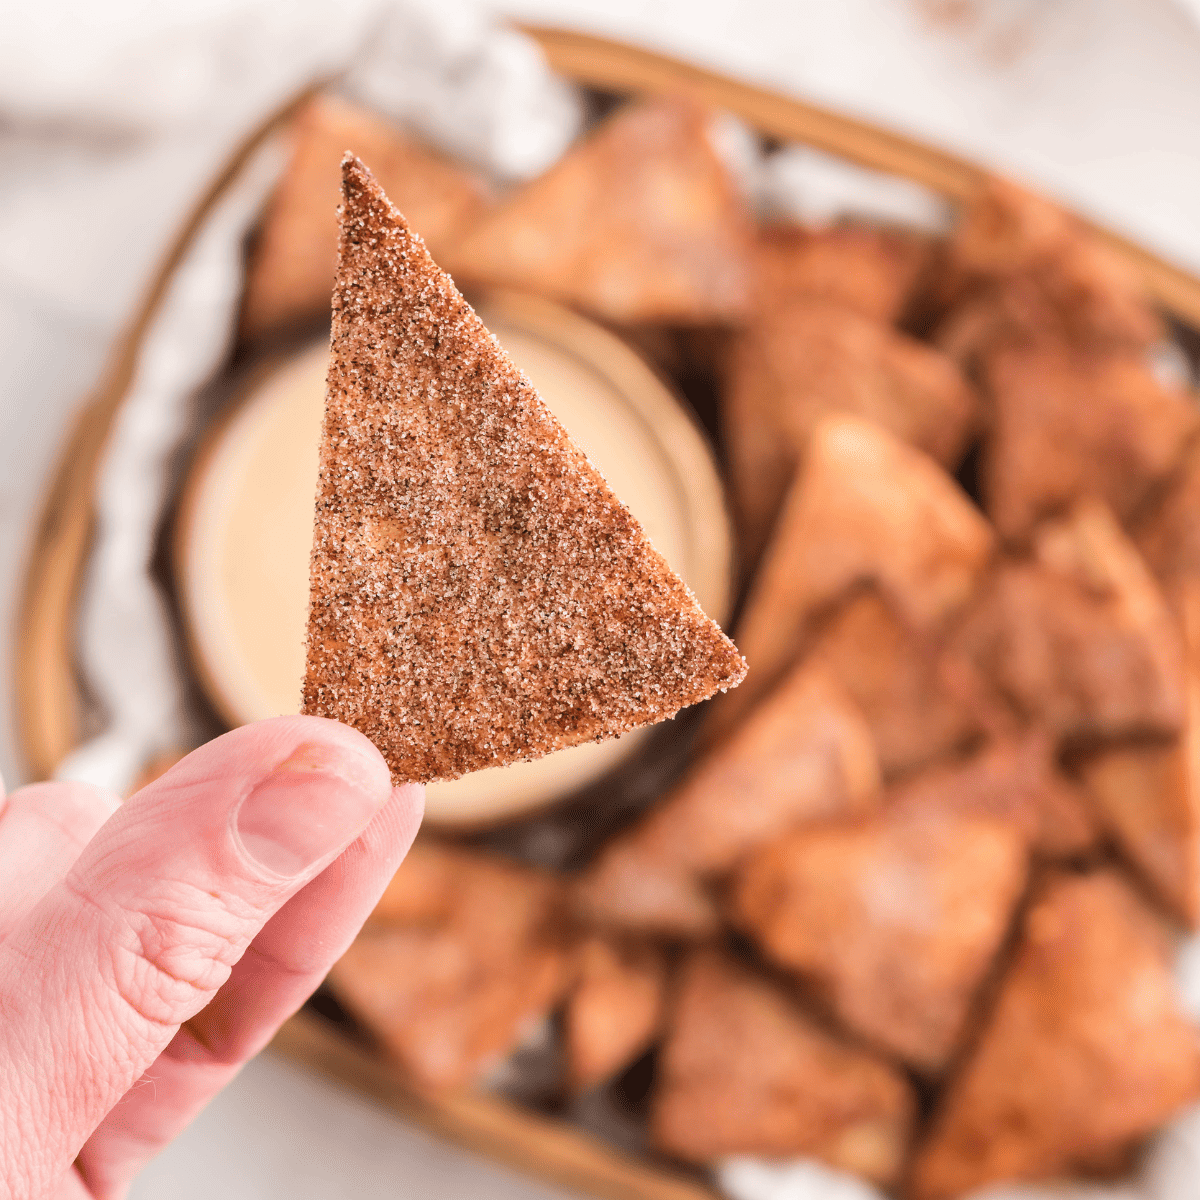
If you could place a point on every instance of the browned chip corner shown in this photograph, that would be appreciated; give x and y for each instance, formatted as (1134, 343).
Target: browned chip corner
(291, 261)
(478, 595)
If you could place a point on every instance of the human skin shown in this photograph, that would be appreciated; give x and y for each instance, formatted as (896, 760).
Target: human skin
(149, 949)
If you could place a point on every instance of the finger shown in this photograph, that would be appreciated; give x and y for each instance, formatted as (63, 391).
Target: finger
(282, 967)
(72, 1187)
(160, 905)
(43, 828)
(296, 949)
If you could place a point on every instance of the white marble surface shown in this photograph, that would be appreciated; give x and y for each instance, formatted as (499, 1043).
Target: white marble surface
(280, 1131)
(1093, 99)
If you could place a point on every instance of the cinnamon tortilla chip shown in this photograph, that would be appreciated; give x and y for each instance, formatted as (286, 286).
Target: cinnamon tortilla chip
(1148, 797)
(1015, 780)
(1079, 638)
(1021, 268)
(1169, 534)
(615, 1008)
(293, 258)
(895, 918)
(462, 955)
(871, 270)
(1149, 794)
(805, 754)
(746, 1071)
(639, 222)
(802, 359)
(1087, 1048)
(864, 508)
(1068, 423)
(478, 594)
(894, 675)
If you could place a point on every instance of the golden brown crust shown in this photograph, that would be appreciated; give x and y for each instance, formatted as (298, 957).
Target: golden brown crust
(478, 594)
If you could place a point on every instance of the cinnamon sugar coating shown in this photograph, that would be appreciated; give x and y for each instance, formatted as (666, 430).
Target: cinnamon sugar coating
(478, 594)
(640, 221)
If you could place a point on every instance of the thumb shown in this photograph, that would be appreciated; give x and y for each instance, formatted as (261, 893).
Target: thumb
(156, 911)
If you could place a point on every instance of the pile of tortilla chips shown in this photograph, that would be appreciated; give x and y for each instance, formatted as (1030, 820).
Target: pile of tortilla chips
(909, 909)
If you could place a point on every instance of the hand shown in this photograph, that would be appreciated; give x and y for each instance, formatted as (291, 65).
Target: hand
(148, 950)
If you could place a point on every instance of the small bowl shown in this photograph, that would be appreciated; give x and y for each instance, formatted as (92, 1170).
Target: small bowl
(244, 528)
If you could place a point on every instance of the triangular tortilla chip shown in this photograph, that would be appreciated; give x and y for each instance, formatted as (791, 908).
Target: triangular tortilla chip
(1019, 267)
(1088, 1047)
(1169, 535)
(745, 1070)
(463, 954)
(1080, 638)
(805, 754)
(640, 222)
(873, 912)
(1068, 423)
(615, 1008)
(895, 677)
(1015, 780)
(864, 508)
(871, 270)
(478, 594)
(1149, 795)
(803, 359)
(292, 260)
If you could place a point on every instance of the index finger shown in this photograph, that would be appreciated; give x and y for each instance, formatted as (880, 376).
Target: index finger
(43, 829)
